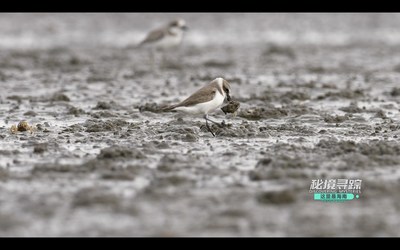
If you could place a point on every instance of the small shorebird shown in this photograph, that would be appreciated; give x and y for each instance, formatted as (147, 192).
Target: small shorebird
(205, 100)
(165, 37)
(163, 40)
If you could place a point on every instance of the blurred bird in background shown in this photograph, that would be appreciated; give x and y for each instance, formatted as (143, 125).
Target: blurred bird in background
(164, 39)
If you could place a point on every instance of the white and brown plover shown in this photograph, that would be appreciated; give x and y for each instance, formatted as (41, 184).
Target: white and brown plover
(205, 100)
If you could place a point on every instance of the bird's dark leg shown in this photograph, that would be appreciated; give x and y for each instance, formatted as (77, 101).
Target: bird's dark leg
(163, 58)
(221, 125)
(208, 127)
(152, 60)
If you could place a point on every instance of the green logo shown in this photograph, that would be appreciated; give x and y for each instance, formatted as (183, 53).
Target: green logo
(335, 197)
(336, 190)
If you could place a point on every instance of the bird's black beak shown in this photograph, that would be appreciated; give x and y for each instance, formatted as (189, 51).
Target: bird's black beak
(228, 97)
(185, 27)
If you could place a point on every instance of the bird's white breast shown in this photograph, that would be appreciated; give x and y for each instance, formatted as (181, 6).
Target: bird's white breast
(205, 107)
(169, 41)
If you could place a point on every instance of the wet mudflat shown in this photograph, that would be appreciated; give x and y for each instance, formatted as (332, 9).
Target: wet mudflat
(103, 159)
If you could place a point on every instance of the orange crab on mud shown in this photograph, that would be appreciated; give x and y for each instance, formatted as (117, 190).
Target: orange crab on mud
(22, 127)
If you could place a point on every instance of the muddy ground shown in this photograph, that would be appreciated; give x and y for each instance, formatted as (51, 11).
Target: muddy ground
(319, 97)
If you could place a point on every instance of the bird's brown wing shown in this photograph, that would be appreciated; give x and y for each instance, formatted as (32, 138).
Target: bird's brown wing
(202, 95)
(153, 36)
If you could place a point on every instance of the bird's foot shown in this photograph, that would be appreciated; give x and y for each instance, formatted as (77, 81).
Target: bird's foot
(209, 129)
(222, 124)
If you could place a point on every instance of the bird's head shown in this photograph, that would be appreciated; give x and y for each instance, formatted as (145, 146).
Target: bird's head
(224, 86)
(178, 24)
(227, 88)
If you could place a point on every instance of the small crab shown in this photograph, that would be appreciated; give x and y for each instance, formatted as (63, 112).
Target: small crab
(22, 127)
(231, 107)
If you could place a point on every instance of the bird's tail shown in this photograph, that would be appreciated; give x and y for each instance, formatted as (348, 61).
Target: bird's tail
(168, 108)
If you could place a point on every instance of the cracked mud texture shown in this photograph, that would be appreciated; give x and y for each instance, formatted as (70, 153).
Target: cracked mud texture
(319, 99)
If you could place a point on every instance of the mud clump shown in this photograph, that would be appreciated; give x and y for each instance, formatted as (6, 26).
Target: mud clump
(245, 129)
(289, 96)
(355, 159)
(185, 134)
(286, 162)
(286, 97)
(94, 196)
(110, 168)
(218, 64)
(59, 98)
(266, 96)
(4, 174)
(169, 163)
(104, 126)
(380, 148)
(229, 132)
(337, 147)
(56, 97)
(179, 129)
(107, 105)
(380, 114)
(231, 107)
(124, 175)
(102, 77)
(151, 107)
(3, 77)
(372, 148)
(103, 105)
(168, 181)
(296, 129)
(336, 118)
(171, 65)
(317, 69)
(157, 145)
(352, 108)
(269, 111)
(327, 143)
(277, 197)
(278, 50)
(118, 152)
(56, 168)
(74, 128)
(233, 213)
(9, 221)
(16, 98)
(40, 148)
(294, 109)
(103, 114)
(281, 166)
(9, 152)
(75, 111)
(30, 113)
(190, 137)
(258, 113)
(379, 153)
(345, 94)
(395, 91)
